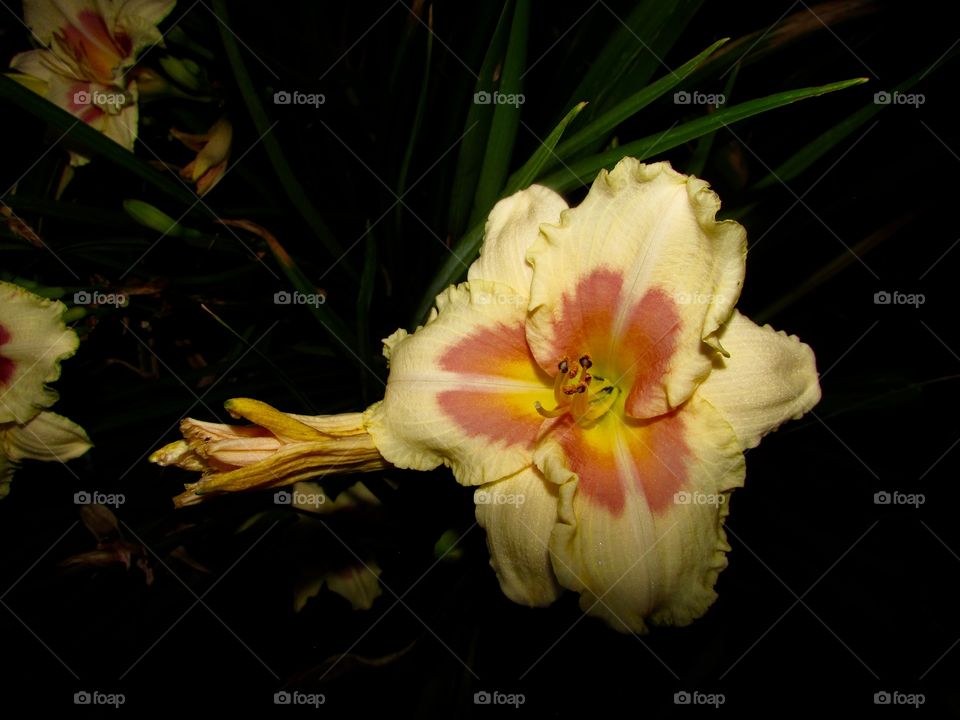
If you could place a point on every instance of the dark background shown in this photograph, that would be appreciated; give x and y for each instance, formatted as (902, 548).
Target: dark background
(828, 598)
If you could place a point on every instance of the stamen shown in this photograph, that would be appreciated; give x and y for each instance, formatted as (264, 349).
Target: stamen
(556, 412)
(572, 392)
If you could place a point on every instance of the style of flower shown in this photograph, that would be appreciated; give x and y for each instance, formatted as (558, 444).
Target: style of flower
(89, 47)
(33, 342)
(594, 365)
(591, 379)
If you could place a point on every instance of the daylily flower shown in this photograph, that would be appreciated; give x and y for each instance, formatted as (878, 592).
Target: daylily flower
(89, 47)
(594, 382)
(594, 366)
(33, 341)
(213, 152)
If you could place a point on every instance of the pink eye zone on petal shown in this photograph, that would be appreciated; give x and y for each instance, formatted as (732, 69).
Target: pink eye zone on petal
(651, 455)
(494, 356)
(93, 45)
(499, 350)
(500, 417)
(649, 342)
(6, 364)
(632, 345)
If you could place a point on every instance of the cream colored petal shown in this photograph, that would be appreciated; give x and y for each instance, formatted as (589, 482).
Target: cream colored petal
(769, 378)
(121, 128)
(519, 514)
(512, 226)
(33, 342)
(41, 64)
(47, 436)
(640, 532)
(638, 276)
(462, 390)
(48, 17)
(139, 20)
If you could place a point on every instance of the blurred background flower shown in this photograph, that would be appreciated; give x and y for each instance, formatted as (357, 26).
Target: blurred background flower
(88, 50)
(33, 342)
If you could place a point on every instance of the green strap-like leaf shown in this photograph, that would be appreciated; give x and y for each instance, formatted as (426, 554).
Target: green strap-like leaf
(813, 151)
(294, 190)
(91, 141)
(541, 157)
(506, 117)
(476, 129)
(633, 52)
(597, 131)
(584, 171)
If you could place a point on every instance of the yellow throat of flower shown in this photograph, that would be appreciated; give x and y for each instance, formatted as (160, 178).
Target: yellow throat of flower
(586, 397)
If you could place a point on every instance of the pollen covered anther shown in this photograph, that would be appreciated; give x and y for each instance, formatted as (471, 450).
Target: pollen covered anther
(575, 393)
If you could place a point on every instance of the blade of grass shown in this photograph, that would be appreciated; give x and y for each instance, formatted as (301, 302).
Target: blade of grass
(294, 190)
(804, 24)
(86, 214)
(633, 53)
(705, 144)
(417, 122)
(518, 181)
(364, 300)
(91, 141)
(320, 311)
(477, 129)
(814, 150)
(583, 172)
(541, 157)
(598, 130)
(506, 117)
